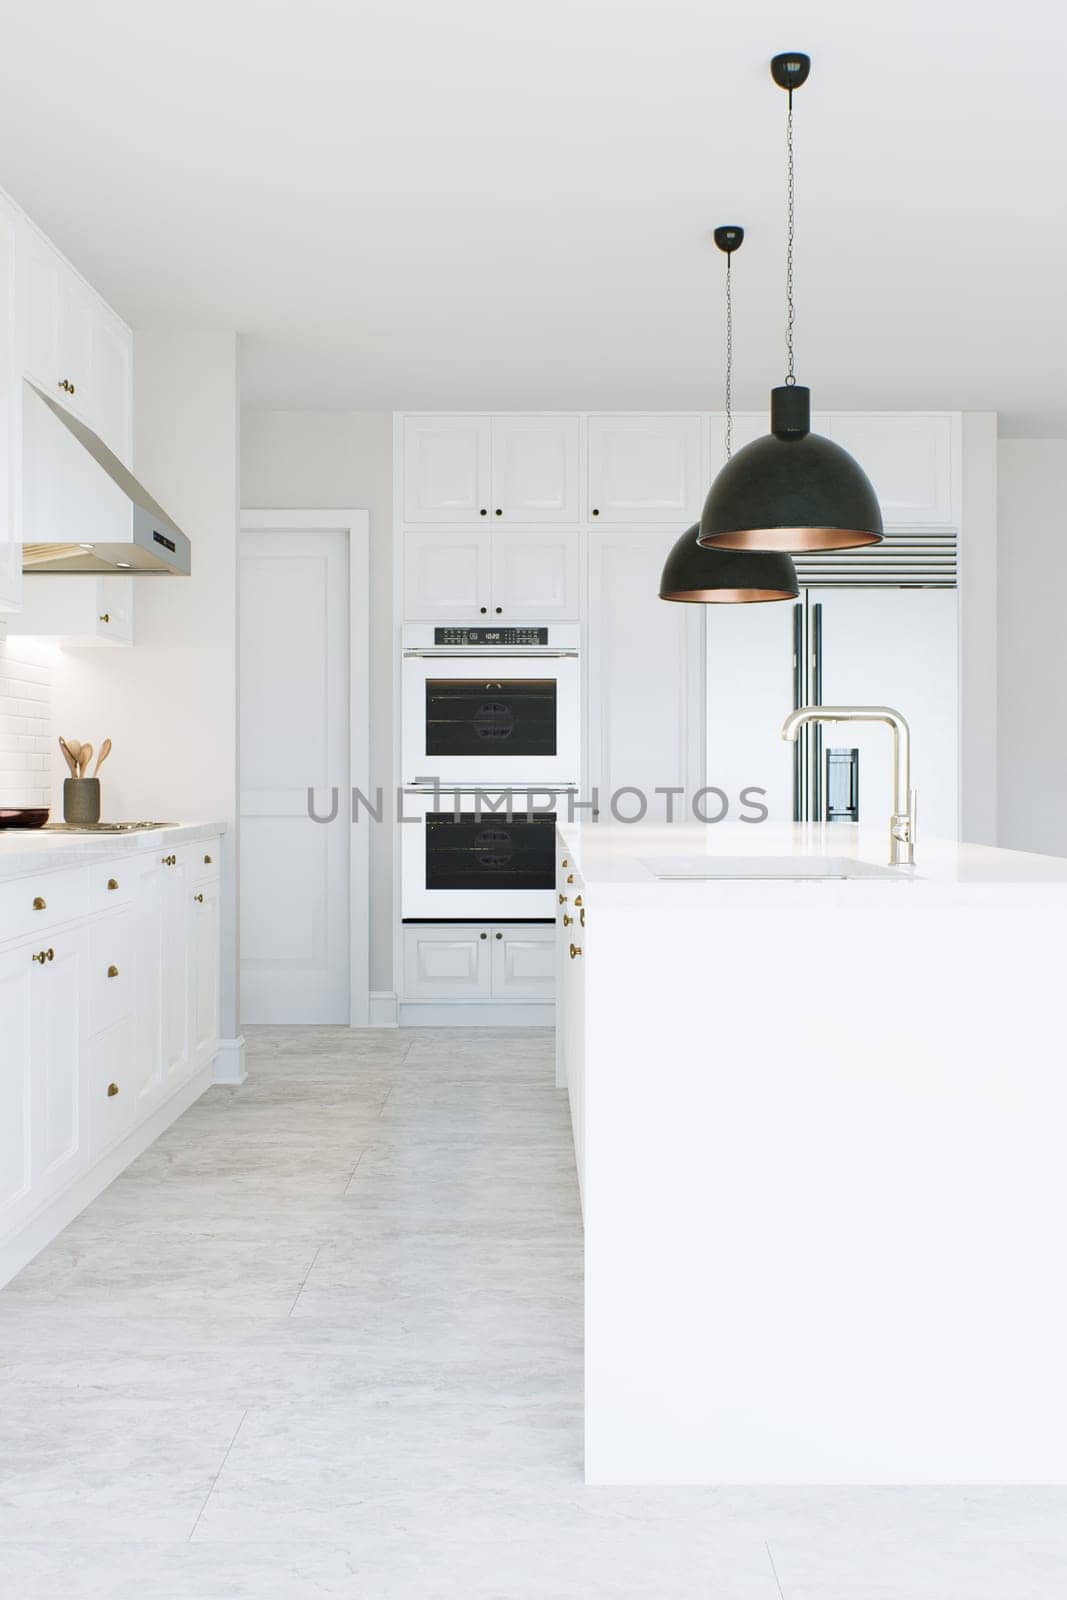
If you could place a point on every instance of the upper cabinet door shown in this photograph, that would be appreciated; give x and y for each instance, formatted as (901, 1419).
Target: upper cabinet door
(912, 460)
(645, 469)
(446, 469)
(535, 469)
(446, 576)
(535, 574)
(79, 310)
(38, 299)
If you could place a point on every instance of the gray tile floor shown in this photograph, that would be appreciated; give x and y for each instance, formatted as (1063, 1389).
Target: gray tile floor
(324, 1338)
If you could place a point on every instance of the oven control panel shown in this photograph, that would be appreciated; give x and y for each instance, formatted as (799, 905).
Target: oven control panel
(497, 636)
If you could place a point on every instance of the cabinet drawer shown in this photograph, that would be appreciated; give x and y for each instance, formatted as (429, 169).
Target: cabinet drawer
(204, 861)
(112, 884)
(112, 1091)
(112, 957)
(33, 905)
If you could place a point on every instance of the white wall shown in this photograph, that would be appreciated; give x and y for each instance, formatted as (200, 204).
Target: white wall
(170, 704)
(1032, 590)
(339, 459)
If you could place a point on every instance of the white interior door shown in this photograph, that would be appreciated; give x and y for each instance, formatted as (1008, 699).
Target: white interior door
(294, 676)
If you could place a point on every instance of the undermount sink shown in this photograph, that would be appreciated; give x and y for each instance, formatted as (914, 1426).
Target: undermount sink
(800, 868)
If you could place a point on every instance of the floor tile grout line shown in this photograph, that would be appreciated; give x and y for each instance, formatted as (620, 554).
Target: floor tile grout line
(774, 1570)
(352, 1174)
(218, 1475)
(304, 1280)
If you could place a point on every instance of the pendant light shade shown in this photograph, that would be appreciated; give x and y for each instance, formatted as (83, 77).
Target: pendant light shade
(711, 577)
(792, 490)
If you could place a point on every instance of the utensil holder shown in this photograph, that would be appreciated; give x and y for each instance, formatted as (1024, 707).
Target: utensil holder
(81, 799)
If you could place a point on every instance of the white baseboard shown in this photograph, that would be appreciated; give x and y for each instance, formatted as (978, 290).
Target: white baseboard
(230, 1061)
(494, 1014)
(47, 1224)
(383, 1008)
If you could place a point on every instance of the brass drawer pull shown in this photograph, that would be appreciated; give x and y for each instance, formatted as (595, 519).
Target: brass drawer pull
(112, 972)
(112, 1090)
(112, 883)
(67, 387)
(39, 904)
(576, 950)
(199, 899)
(582, 915)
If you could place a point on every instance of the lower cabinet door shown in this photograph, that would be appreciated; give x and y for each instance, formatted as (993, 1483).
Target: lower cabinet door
(204, 935)
(58, 1032)
(113, 1086)
(16, 976)
(524, 963)
(176, 899)
(149, 972)
(446, 963)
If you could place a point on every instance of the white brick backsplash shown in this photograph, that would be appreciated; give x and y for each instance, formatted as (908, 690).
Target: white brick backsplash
(25, 726)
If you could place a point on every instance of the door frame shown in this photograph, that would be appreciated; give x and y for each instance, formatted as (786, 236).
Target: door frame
(355, 525)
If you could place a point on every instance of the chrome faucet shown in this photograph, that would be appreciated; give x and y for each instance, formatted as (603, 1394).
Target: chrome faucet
(902, 822)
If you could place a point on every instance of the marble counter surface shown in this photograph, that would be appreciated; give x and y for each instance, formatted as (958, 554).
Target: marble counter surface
(24, 850)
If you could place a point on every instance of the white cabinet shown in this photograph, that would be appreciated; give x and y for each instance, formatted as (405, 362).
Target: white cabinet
(449, 962)
(204, 942)
(175, 1008)
(523, 963)
(645, 469)
(511, 573)
(109, 991)
(446, 469)
(644, 662)
(476, 962)
(10, 462)
(913, 461)
(16, 1082)
(59, 1145)
(534, 469)
(79, 610)
(460, 469)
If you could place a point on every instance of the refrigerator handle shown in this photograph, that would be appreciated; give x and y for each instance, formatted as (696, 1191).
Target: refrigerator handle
(816, 699)
(798, 701)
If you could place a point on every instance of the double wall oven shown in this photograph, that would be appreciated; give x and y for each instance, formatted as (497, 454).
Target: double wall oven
(491, 751)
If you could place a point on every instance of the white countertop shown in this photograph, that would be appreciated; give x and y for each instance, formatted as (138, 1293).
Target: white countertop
(24, 850)
(620, 857)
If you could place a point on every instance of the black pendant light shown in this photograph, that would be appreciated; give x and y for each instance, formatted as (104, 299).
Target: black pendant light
(792, 490)
(711, 577)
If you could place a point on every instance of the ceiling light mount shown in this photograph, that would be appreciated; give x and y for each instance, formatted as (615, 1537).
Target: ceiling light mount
(729, 239)
(790, 69)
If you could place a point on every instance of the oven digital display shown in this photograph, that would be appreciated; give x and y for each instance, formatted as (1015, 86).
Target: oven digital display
(491, 717)
(491, 636)
(490, 852)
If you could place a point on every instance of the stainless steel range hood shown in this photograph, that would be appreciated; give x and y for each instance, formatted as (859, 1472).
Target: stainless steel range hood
(109, 523)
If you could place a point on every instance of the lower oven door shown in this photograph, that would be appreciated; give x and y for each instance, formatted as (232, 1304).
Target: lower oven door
(461, 858)
(508, 720)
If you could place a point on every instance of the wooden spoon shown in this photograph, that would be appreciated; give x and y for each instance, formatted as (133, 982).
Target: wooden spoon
(75, 748)
(68, 757)
(105, 751)
(84, 757)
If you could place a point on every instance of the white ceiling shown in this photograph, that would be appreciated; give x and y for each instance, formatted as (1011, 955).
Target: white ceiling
(492, 203)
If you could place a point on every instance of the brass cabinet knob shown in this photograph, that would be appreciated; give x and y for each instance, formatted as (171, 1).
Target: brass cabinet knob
(207, 861)
(577, 899)
(199, 899)
(105, 617)
(112, 972)
(570, 877)
(66, 385)
(567, 920)
(40, 957)
(169, 861)
(582, 915)
(564, 863)
(112, 883)
(563, 899)
(50, 955)
(576, 950)
(39, 904)
(112, 1090)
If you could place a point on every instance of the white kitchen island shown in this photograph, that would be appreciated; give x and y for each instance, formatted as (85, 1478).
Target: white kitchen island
(820, 1127)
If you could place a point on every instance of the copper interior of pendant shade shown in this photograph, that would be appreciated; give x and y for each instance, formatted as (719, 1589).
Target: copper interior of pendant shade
(735, 597)
(786, 540)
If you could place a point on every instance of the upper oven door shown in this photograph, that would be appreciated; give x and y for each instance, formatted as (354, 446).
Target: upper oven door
(493, 720)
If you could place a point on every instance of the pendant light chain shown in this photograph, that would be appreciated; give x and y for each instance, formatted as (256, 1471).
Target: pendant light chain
(729, 362)
(790, 319)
